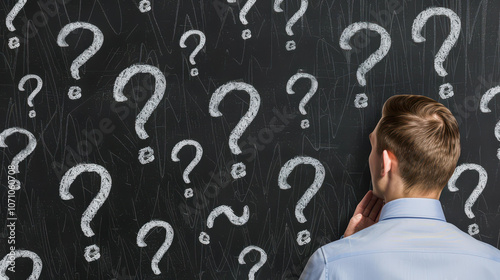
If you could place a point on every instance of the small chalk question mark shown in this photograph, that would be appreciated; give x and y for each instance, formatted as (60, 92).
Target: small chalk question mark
(14, 41)
(164, 247)
(75, 92)
(314, 87)
(144, 6)
(92, 252)
(201, 44)
(445, 90)
(146, 155)
(485, 100)
(361, 100)
(245, 34)
(37, 263)
(483, 179)
(257, 266)
(199, 153)
(303, 237)
(39, 85)
(291, 45)
(25, 152)
(226, 210)
(238, 170)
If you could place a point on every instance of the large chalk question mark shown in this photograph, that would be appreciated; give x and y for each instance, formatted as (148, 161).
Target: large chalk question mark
(199, 153)
(164, 247)
(314, 87)
(238, 170)
(32, 113)
(75, 92)
(361, 100)
(445, 90)
(146, 155)
(485, 99)
(483, 179)
(92, 252)
(245, 34)
(304, 236)
(226, 210)
(8, 259)
(25, 152)
(201, 44)
(14, 41)
(291, 45)
(257, 266)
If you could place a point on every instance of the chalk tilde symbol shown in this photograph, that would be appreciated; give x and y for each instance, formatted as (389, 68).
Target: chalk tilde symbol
(92, 252)
(445, 90)
(163, 248)
(199, 153)
(485, 100)
(238, 170)
(75, 92)
(303, 237)
(201, 44)
(204, 238)
(25, 152)
(39, 85)
(314, 87)
(146, 155)
(6, 261)
(258, 265)
(361, 100)
(14, 41)
(483, 179)
(245, 34)
(291, 45)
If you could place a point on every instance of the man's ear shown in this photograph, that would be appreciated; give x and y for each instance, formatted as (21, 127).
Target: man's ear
(386, 163)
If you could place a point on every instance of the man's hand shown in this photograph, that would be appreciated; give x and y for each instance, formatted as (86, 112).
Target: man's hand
(366, 214)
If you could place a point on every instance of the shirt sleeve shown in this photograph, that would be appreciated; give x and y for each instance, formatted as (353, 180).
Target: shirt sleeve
(315, 268)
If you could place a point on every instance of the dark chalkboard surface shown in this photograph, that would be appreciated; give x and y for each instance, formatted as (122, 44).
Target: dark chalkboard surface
(121, 113)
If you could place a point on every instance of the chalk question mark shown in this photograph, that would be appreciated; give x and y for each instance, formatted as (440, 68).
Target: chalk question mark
(226, 210)
(144, 6)
(245, 34)
(164, 247)
(75, 92)
(304, 236)
(485, 99)
(445, 90)
(182, 43)
(257, 266)
(8, 259)
(238, 170)
(25, 152)
(39, 85)
(92, 252)
(146, 155)
(199, 152)
(361, 100)
(291, 45)
(483, 178)
(14, 41)
(314, 87)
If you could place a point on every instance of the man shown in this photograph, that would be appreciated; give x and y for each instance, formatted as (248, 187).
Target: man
(415, 149)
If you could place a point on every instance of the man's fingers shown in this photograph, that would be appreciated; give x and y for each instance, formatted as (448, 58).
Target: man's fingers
(369, 207)
(364, 202)
(376, 209)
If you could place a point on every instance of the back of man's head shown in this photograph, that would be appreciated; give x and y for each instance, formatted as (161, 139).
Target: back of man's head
(423, 135)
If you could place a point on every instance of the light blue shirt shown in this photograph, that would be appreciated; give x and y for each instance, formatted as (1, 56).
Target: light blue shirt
(412, 240)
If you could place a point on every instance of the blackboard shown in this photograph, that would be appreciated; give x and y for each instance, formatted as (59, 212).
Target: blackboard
(90, 144)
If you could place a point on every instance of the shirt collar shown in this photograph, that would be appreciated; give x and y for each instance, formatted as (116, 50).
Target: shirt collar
(424, 208)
